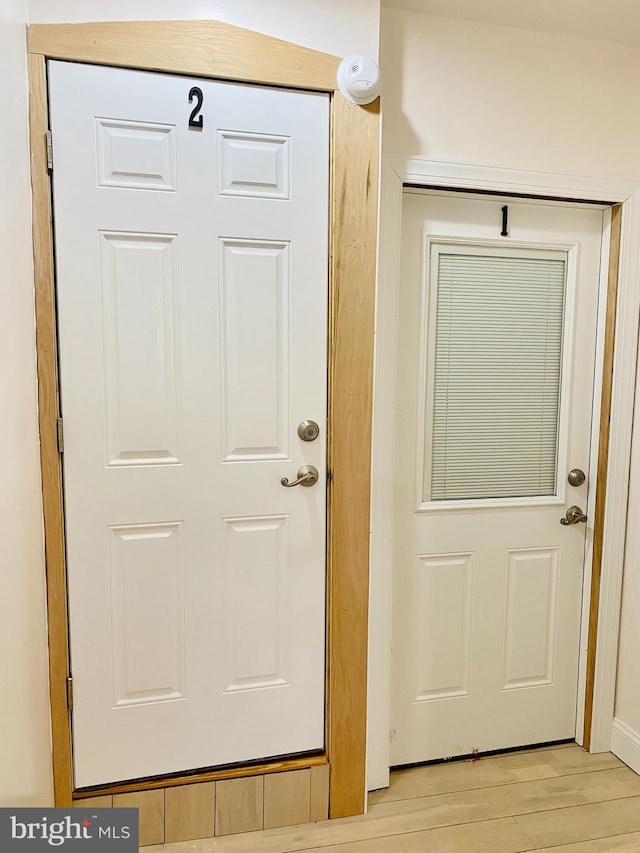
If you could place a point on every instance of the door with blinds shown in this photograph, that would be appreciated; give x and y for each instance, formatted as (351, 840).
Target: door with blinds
(496, 354)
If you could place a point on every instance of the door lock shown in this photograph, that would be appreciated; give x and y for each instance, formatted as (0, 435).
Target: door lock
(576, 477)
(308, 430)
(307, 476)
(574, 516)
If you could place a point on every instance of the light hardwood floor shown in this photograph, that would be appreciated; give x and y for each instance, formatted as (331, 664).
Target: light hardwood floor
(557, 799)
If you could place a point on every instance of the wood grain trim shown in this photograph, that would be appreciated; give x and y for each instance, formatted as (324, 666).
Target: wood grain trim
(239, 806)
(97, 803)
(202, 48)
(189, 812)
(603, 464)
(211, 776)
(354, 230)
(150, 805)
(287, 799)
(319, 805)
(48, 414)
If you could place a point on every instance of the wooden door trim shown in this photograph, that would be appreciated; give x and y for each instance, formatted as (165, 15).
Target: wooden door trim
(200, 48)
(48, 413)
(352, 304)
(602, 465)
(216, 50)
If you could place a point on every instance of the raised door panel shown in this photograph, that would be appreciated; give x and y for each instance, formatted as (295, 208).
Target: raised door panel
(136, 155)
(254, 165)
(147, 613)
(256, 368)
(530, 617)
(444, 625)
(257, 602)
(141, 348)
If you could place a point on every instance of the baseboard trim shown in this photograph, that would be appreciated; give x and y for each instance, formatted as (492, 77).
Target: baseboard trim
(625, 743)
(208, 810)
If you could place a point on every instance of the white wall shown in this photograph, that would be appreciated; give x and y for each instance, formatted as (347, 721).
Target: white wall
(25, 771)
(626, 724)
(462, 91)
(339, 27)
(481, 94)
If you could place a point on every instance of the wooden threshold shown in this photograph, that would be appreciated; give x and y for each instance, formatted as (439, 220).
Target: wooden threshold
(208, 776)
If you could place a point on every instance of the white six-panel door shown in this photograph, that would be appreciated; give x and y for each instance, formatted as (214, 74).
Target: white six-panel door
(192, 305)
(495, 383)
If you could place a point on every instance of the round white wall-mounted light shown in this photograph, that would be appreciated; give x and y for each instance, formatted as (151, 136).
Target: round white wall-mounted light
(359, 79)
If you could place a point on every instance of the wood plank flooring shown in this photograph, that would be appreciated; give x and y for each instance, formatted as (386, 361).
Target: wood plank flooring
(558, 799)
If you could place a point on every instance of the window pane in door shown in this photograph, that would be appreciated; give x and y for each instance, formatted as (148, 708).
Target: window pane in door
(495, 365)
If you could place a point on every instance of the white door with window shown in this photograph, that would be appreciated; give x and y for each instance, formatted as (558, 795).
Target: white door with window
(496, 352)
(191, 222)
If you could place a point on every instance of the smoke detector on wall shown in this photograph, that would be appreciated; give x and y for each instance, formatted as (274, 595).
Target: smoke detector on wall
(359, 79)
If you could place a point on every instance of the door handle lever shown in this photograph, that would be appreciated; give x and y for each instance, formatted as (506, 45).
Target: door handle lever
(307, 476)
(574, 516)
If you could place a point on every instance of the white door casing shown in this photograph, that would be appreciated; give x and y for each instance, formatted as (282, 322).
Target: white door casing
(192, 305)
(493, 591)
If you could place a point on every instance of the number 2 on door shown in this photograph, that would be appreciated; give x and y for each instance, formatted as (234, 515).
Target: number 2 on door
(196, 120)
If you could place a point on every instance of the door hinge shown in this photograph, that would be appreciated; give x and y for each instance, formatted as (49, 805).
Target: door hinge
(49, 150)
(70, 693)
(60, 434)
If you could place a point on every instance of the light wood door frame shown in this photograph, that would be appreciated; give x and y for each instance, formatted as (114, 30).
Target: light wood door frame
(215, 50)
(613, 420)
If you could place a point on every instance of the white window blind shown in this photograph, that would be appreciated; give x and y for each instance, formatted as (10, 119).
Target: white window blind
(495, 371)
